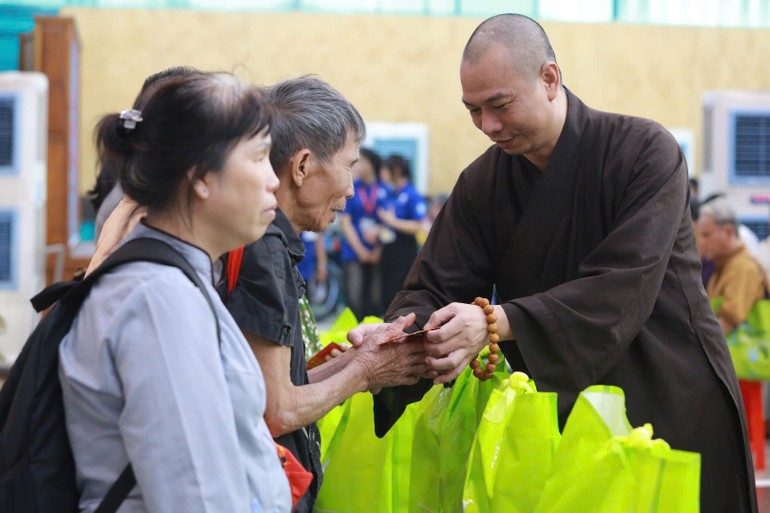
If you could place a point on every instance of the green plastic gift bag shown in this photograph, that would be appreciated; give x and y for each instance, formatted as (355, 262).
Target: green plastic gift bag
(513, 449)
(668, 481)
(445, 426)
(604, 466)
(363, 472)
(749, 342)
(338, 332)
(332, 425)
(423, 485)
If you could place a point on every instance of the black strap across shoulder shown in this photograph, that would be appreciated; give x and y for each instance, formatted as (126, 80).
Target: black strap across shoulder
(118, 491)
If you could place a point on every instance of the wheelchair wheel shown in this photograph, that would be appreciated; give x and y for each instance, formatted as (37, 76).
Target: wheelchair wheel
(324, 296)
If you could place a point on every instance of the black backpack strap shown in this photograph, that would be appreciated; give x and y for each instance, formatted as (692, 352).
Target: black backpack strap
(143, 249)
(118, 491)
(54, 292)
(51, 294)
(147, 249)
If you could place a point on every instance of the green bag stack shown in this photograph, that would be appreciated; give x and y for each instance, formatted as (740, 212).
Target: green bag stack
(495, 446)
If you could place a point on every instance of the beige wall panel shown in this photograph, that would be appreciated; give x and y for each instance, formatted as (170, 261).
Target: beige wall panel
(405, 69)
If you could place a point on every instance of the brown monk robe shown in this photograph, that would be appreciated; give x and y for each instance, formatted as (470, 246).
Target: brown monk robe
(595, 264)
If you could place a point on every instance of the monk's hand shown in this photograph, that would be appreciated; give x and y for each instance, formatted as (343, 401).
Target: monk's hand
(400, 361)
(460, 337)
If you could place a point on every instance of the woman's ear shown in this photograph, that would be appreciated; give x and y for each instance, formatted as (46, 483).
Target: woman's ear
(299, 166)
(201, 189)
(199, 184)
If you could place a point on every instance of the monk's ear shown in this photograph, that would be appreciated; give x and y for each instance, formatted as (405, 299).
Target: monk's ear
(299, 166)
(549, 72)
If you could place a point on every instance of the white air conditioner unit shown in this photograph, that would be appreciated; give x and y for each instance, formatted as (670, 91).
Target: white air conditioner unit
(736, 153)
(23, 156)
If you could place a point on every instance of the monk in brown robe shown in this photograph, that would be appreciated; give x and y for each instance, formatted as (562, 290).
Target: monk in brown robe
(580, 220)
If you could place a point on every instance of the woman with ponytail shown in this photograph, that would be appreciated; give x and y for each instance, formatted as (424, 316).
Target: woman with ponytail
(151, 377)
(107, 195)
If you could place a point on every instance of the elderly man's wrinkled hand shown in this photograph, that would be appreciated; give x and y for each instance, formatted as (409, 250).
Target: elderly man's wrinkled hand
(402, 362)
(357, 335)
(379, 333)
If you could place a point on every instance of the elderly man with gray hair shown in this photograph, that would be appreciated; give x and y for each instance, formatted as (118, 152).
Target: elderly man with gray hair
(316, 135)
(738, 277)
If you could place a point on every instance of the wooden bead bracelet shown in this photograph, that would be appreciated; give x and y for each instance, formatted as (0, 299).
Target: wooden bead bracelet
(486, 373)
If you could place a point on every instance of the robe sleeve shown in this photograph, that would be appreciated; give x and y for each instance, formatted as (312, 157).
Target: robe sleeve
(452, 266)
(571, 335)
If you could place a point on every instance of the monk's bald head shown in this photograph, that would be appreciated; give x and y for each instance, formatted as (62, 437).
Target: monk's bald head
(523, 38)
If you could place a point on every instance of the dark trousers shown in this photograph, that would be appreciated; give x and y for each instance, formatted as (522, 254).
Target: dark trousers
(363, 291)
(397, 260)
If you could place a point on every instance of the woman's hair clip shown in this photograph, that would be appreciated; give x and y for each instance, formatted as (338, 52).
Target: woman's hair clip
(130, 118)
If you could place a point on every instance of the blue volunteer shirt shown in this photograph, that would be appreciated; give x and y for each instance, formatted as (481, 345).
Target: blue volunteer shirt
(409, 204)
(362, 209)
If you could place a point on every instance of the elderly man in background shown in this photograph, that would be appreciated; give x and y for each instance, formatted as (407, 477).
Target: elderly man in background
(738, 277)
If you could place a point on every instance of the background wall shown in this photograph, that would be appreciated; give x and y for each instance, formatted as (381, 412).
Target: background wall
(406, 68)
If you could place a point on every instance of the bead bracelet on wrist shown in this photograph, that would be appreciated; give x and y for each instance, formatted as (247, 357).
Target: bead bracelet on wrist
(484, 373)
